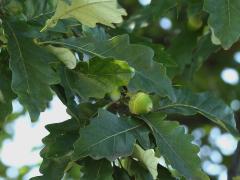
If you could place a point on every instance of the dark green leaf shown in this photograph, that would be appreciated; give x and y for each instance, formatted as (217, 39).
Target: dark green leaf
(61, 138)
(83, 111)
(205, 104)
(161, 56)
(190, 55)
(86, 111)
(136, 170)
(53, 168)
(120, 173)
(96, 33)
(202, 51)
(31, 72)
(6, 94)
(163, 173)
(182, 52)
(107, 136)
(175, 146)
(224, 20)
(97, 170)
(58, 149)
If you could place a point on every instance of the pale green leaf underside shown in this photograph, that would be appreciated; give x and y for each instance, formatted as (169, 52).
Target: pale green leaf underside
(88, 12)
(64, 55)
(224, 20)
(206, 104)
(147, 158)
(175, 146)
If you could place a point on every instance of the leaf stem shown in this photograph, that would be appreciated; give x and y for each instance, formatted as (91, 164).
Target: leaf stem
(120, 163)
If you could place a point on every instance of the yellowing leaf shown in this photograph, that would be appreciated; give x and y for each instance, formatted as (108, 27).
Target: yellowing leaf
(64, 55)
(88, 12)
(148, 158)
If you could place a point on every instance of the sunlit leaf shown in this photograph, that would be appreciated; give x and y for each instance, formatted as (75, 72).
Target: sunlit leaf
(148, 158)
(88, 12)
(98, 77)
(64, 55)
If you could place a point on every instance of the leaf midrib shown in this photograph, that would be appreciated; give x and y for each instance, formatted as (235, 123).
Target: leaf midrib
(21, 55)
(112, 136)
(200, 111)
(186, 164)
(155, 131)
(81, 6)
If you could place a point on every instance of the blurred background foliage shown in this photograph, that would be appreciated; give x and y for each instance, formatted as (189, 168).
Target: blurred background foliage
(179, 27)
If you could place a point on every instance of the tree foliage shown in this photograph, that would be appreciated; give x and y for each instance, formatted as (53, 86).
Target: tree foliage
(84, 50)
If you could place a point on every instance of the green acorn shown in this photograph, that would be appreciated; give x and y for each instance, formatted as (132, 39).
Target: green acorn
(195, 22)
(115, 95)
(140, 103)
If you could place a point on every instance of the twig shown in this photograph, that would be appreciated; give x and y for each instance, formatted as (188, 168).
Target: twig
(120, 163)
(234, 168)
(235, 164)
